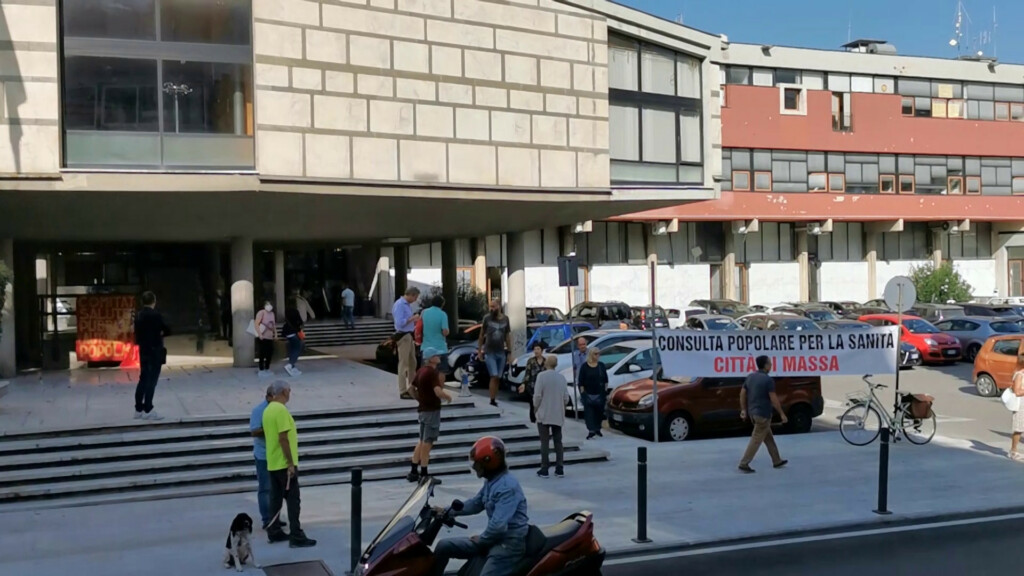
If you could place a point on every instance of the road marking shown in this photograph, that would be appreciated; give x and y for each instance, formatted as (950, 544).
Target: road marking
(837, 405)
(809, 539)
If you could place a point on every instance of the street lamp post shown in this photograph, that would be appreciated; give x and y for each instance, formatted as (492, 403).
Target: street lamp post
(177, 90)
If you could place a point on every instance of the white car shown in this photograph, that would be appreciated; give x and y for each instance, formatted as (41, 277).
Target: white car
(676, 317)
(771, 307)
(563, 351)
(744, 321)
(626, 362)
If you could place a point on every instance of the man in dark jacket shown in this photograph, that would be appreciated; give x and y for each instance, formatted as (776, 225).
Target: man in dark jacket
(150, 330)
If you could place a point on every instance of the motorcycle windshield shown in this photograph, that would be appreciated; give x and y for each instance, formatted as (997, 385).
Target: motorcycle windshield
(403, 522)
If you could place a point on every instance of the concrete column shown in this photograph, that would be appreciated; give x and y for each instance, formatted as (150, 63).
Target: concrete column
(871, 256)
(652, 267)
(401, 271)
(804, 261)
(1002, 264)
(8, 352)
(480, 264)
(729, 264)
(516, 291)
(242, 305)
(383, 286)
(937, 248)
(450, 282)
(279, 288)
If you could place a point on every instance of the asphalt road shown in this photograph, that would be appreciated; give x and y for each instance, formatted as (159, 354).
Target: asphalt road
(981, 549)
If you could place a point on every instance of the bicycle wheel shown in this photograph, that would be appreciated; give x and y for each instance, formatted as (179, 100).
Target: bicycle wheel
(860, 425)
(917, 430)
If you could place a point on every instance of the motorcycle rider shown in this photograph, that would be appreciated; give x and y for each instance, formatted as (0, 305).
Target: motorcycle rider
(504, 541)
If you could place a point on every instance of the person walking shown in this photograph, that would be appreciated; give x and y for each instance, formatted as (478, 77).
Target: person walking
(1017, 385)
(593, 383)
(283, 466)
(266, 333)
(757, 401)
(534, 366)
(150, 330)
(548, 400)
(303, 306)
(435, 332)
(428, 387)
(405, 323)
(494, 346)
(348, 306)
(292, 332)
(259, 453)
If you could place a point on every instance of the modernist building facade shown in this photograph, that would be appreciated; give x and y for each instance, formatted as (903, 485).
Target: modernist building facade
(253, 147)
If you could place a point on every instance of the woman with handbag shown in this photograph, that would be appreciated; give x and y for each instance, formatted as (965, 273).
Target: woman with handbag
(266, 333)
(1017, 389)
(593, 380)
(292, 332)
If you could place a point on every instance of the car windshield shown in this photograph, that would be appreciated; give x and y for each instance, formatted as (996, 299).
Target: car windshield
(850, 326)
(403, 522)
(797, 324)
(652, 312)
(569, 345)
(720, 324)
(819, 315)
(727, 307)
(546, 314)
(614, 354)
(1005, 327)
(918, 326)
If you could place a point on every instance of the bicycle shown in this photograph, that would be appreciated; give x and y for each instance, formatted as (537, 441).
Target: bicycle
(862, 422)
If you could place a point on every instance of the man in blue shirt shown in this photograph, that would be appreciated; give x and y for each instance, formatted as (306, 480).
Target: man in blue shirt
(504, 540)
(435, 331)
(405, 325)
(259, 452)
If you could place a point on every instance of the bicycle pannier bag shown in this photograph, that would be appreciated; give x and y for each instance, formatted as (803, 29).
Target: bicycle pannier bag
(921, 405)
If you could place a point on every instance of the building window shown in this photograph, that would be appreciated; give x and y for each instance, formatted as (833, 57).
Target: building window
(887, 184)
(974, 184)
(1003, 111)
(740, 181)
(687, 76)
(939, 107)
(737, 75)
(624, 123)
(659, 136)
(1016, 112)
(906, 184)
(837, 183)
(790, 77)
(161, 84)
(908, 106)
(955, 185)
(955, 109)
(1018, 185)
(762, 181)
(657, 70)
(817, 182)
(623, 63)
(690, 143)
(792, 100)
(841, 112)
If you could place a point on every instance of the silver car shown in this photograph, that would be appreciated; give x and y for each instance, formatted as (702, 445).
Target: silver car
(599, 339)
(972, 331)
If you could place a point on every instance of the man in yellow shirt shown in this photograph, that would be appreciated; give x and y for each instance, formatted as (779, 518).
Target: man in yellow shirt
(282, 463)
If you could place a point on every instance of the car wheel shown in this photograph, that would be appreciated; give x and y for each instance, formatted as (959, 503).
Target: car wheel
(972, 352)
(677, 427)
(986, 386)
(800, 419)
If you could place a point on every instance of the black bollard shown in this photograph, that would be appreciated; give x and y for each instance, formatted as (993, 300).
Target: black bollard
(883, 475)
(357, 517)
(641, 496)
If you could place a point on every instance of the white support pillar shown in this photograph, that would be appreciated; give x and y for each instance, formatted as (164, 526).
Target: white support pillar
(279, 287)
(1002, 259)
(243, 345)
(385, 292)
(480, 264)
(804, 262)
(652, 266)
(8, 357)
(517, 291)
(871, 256)
(730, 290)
(937, 236)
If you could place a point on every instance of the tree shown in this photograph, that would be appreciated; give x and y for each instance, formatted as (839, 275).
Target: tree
(940, 285)
(6, 277)
(472, 302)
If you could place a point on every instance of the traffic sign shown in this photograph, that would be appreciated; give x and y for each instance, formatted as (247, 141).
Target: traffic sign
(900, 294)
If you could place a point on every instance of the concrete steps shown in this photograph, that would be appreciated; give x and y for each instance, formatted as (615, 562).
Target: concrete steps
(214, 455)
(334, 333)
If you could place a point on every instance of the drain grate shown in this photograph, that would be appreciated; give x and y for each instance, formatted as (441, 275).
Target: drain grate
(308, 568)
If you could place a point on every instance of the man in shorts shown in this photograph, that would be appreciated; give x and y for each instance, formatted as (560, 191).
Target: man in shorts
(428, 389)
(494, 346)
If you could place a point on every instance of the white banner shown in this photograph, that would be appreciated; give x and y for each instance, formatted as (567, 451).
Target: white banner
(731, 353)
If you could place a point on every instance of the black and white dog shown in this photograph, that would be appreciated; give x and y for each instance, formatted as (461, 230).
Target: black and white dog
(238, 549)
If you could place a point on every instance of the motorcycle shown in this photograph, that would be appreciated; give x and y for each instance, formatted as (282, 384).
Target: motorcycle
(403, 547)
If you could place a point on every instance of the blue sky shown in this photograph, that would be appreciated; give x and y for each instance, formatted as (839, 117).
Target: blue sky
(916, 27)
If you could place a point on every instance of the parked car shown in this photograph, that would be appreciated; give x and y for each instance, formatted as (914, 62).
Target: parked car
(625, 361)
(687, 405)
(844, 324)
(720, 306)
(599, 339)
(647, 317)
(840, 307)
(935, 346)
(597, 313)
(877, 303)
(909, 355)
(993, 310)
(746, 320)
(676, 318)
(544, 314)
(781, 322)
(855, 313)
(935, 313)
(711, 322)
(550, 334)
(462, 353)
(995, 364)
(772, 307)
(973, 331)
(815, 312)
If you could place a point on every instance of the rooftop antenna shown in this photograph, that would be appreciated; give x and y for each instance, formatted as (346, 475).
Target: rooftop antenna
(961, 27)
(995, 28)
(849, 28)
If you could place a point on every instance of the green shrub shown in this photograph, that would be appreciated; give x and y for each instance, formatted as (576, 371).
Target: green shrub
(472, 302)
(940, 285)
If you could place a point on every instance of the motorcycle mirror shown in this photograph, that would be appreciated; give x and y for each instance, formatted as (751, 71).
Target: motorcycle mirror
(457, 505)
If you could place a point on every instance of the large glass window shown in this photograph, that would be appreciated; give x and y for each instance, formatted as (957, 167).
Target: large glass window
(623, 63)
(624, 128)
(658, 70)
(163, 84)
(659, 136)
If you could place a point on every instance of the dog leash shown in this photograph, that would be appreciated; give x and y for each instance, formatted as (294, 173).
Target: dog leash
(287, 487)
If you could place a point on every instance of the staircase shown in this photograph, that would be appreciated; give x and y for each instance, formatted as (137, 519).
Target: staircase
(334, 333)
(214, 456)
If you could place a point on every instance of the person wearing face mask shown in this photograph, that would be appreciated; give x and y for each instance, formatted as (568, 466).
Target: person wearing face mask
(266, 329)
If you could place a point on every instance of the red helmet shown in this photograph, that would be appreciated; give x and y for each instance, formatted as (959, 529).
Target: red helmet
(488, 455)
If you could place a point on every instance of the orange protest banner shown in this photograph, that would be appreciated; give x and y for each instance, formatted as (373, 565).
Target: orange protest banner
(105, 328)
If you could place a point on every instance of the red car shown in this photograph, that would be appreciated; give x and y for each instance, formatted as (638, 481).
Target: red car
(936, 347)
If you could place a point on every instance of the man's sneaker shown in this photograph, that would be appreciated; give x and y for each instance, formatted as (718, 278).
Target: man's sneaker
(413, 477)
(780, 464)
(152, 416)
(301, 542)
(543, 474)
(288, 368)
(296, 371)
(277, 536)
(494, 403)
(746, 469)
(559, 474)
(139, 415)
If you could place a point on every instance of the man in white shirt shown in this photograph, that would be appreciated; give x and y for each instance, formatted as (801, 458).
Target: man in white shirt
(348, 305)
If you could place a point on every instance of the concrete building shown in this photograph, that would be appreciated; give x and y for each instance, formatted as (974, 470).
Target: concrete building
(237, 151)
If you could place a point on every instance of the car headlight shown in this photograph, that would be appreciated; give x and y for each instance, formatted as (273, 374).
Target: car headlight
(646, 401)
(930, 342)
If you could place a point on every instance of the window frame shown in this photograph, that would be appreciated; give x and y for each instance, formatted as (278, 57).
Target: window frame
(801, 109)
(816, 191)
(892, 178)
(903, 106)
(832, 175)
(842, 113)
(949, 185)
(1012, 193)
(967, 185)
(1006, 107)
(770, 181)
(913, 183)
(749, 181)
(1019, 106)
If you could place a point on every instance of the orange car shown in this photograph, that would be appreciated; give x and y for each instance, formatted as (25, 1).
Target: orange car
(995, 364)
